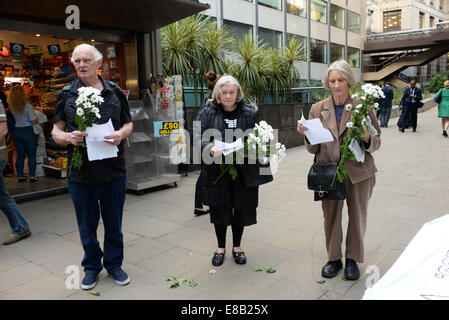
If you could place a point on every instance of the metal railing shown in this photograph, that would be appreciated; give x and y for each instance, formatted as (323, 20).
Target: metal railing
(413, 32)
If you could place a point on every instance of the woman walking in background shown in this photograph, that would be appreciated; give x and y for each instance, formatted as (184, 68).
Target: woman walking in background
(23, 135)
(442, 97)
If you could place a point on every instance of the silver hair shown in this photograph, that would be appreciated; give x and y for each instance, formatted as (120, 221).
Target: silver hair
(227, 80)
(97, 54)
(345, 69)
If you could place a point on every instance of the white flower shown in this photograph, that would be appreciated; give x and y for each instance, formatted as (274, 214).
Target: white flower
(80, 112)
(363, 97)
(95, 110)
(349, 107)
(212, 271)
(98, 115)
(359, 106)
(349, 124)
(376, 105)
(364, 122)
(355, 95)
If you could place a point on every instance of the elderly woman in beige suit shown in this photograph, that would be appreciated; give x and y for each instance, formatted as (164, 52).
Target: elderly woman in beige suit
(361, 176)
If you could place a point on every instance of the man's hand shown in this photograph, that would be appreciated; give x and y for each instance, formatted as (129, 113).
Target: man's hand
(77, 137)
(301, 129)
(116, 136)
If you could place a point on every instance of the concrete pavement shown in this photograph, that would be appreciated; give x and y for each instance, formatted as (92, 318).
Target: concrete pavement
(163, 238)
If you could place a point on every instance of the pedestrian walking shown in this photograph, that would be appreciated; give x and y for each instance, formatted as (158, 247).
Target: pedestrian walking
(385, 105)
(211, 79)
(411, 102)
(442, 98)
(23, 134)
(361, 176)
(230, 201)
(19, 227)
(98, 187)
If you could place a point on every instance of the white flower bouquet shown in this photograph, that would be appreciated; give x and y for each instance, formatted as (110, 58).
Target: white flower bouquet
(258, 147)
(359, 121)
(86, 113)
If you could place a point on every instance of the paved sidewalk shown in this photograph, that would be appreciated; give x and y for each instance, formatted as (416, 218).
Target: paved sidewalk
(163, 238)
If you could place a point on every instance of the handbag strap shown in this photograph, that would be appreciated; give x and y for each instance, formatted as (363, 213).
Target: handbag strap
(341, 143)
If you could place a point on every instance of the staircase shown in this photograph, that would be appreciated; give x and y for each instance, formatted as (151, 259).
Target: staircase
(403, 61)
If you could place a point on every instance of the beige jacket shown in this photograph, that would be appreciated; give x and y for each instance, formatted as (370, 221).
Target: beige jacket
(330, 151)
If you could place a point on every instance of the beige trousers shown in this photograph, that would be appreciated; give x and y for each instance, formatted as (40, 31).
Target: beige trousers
(357, 199)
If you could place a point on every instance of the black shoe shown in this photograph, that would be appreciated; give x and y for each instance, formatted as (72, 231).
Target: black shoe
(200, 212)
(351, 270)
(414, 130)
(218, 258)
(401, 129)
(22, 179)
(444, 133)
(331, 268)
(239, 257)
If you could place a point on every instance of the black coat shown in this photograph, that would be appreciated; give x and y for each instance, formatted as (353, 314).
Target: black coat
(226, 192)
(407, 100)
(389, 96)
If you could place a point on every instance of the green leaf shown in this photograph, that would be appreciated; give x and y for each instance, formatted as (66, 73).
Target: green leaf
(258, 270)
(271, 270)
(233, 172)
(344, 278)
(171, 278)
(321, 281)
(192, 283)
(174, 284)
(94, 293)
(182, 280)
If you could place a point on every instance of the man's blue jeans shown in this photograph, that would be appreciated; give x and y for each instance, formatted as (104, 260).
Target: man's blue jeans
(91, 200)
(9, 206)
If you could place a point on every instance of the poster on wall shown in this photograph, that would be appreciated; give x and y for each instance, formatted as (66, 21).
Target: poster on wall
(68, 46)
(35, 49)
(16, 49)
(54, 49)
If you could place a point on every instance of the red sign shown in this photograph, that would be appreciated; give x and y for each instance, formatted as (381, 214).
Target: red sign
(5, 52)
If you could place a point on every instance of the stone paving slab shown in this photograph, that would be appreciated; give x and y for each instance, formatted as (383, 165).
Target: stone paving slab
(163, 237)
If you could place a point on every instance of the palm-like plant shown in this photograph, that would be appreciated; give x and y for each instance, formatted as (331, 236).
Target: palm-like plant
(249, 59)
(274, 69)
(292, 53)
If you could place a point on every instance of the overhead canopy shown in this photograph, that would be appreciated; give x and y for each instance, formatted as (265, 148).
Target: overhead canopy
(130, 15)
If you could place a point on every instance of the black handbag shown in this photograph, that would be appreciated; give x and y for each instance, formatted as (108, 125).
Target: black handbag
(321, 180)
(252, 177)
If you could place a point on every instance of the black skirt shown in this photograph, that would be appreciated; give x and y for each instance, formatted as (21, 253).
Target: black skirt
(226, 216)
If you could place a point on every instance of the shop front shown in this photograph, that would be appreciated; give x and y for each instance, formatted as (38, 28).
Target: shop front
(35, 52)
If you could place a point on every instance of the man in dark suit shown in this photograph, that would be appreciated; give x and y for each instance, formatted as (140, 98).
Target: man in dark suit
(386, 104)
(411, 101)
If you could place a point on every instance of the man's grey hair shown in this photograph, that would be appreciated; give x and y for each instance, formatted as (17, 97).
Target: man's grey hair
(227, 80)
(97, 54)
(345, 69)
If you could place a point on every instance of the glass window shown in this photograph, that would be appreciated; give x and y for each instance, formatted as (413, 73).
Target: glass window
(337, 16)
(337, 52)
(302, 40)
(238, 30)
(318, 11)
(272, 38)
(392, 20)
(353, 22)
(318, 51)
(275, 4)
(354, 57)
(421, 20)
(297, 7)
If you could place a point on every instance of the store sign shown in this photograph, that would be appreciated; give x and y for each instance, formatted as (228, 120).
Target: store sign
(17, 49)
(54, 49)
(36, 49)
(68, 46)
(5, 51)
(165, 128)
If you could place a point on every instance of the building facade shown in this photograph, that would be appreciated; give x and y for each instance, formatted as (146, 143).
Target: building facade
(385, 16)
(329, 30)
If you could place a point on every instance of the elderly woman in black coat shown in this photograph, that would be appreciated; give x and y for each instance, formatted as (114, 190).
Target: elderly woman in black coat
(231, 202)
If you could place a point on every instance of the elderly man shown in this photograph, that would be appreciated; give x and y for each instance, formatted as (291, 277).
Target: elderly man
(411, 101)
(98, 187)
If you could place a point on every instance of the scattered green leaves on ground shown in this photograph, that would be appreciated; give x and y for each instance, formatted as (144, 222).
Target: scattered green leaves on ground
(192, 283)
(94, 293)
(344, 278)
(267, 270)
(321, 281)
(176, 283)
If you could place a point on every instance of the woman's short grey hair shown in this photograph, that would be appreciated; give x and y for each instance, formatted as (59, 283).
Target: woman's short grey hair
(345, 69)
(227, 80)
(446, 84)
(97, 54)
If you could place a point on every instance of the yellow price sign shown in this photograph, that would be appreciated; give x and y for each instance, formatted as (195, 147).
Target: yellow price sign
(169, 127)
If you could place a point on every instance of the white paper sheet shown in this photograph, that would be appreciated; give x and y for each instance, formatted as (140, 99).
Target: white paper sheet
(228, 148)
(97, 148)
(422, 270)
(316, 133)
